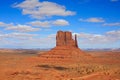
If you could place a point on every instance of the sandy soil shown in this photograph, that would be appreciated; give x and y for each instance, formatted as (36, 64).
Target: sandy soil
(15, 66)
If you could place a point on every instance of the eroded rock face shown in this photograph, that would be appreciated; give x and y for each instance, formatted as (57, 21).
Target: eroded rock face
(66, 50)
(65, 39)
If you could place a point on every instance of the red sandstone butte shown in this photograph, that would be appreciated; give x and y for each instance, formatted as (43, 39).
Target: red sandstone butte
(66, 50)
(65, 39)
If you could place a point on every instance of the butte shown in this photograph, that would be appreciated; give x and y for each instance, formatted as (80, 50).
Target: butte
(66, 50)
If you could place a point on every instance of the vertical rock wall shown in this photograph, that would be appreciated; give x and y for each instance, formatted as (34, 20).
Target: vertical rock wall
(65, 39)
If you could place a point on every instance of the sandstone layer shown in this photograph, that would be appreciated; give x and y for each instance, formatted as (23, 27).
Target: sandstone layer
(66, 50)
(65, 39)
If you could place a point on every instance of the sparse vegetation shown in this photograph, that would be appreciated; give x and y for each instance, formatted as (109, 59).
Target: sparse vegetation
(86, 69)
(14, 66)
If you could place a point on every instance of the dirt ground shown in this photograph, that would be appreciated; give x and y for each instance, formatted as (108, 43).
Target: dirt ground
(15, 66)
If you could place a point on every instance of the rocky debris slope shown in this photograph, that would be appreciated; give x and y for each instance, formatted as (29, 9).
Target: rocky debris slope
(66, 50)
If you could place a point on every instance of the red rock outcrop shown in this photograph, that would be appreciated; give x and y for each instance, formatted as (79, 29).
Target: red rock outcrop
(66, 50)
(65, 39)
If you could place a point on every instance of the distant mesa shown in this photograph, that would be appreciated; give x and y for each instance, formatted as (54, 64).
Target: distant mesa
(66, 50)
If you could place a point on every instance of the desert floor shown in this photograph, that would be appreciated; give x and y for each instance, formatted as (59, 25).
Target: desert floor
(15, 65)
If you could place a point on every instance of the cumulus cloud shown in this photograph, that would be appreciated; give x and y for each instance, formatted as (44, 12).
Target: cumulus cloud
(17, 36)
(52, 36)
(26, 40)
(46, 42)
(17, 40)
(22, 28)
(47, 24)
(45, 9)
(93, 38)
(93, 20)
(60, 22)
(30, 26)
(108, 37)
(44, 24)
(2, 24)
(112, 24)
(114, 35)
(18, 27)
(34, 40)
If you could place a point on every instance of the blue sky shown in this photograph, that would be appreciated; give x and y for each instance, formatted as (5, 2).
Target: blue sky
(34, 23)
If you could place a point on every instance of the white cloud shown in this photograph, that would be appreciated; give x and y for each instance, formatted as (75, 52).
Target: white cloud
(52, 36)
(45, 9)
(2, 24)
(108, 37)
(60, 22)
(17, 40)
(114, 35)
(17, 36)
(25, 40)
(21, 35)
(93, 19)
(112, 24)
(18, 27)
(114, 0)
(46, 42)
(28, 27)
(44, 24)
(92, 38)
(47, 24)
(22, 28)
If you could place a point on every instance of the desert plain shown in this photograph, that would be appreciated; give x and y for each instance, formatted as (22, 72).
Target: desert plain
(18, 65)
